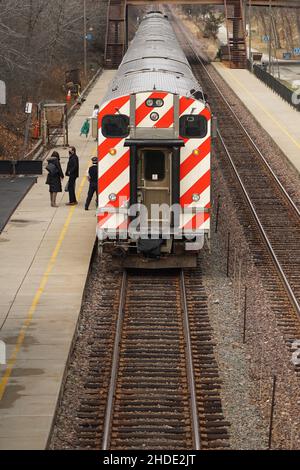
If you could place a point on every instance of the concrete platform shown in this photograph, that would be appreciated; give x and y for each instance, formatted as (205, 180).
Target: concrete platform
(45, 255)
(277, 117)
(12, 191)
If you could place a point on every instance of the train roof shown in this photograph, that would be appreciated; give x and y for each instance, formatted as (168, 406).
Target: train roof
(154, 61)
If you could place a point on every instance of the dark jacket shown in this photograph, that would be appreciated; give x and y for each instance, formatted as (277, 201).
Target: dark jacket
(73, 166)
(54, 177)
(93, 174)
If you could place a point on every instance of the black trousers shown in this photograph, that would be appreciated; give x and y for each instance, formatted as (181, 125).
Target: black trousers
(92, 190)
(71, 188)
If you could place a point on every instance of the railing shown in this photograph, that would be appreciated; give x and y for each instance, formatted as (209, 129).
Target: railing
(291, 97)
(21, 167)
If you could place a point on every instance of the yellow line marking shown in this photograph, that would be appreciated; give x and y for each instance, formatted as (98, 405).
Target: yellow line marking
(270, 115)
(12, 360)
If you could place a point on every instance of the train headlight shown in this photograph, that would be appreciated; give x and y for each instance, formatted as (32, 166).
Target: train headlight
(196, 197)
(159, 103)
(154, 117)
(196, 152)
(154, 103)
(113, 152)
(112, 197)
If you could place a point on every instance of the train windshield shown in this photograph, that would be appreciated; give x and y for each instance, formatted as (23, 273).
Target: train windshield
(115, 125)
(193, 126)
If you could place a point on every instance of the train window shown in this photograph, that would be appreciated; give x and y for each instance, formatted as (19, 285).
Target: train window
(115, 125)
(154, 161)
(193, 126)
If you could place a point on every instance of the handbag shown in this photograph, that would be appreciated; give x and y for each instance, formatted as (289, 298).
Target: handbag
(52, 169)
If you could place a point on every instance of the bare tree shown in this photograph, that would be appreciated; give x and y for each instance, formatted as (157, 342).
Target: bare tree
(39, 41)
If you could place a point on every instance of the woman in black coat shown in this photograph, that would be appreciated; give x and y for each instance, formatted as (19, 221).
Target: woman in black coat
(55, 175)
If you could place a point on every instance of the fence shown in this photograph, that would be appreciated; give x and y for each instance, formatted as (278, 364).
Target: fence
(292, 97)
(21, 167)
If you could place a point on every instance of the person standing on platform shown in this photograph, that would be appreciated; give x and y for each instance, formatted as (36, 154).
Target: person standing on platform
(73, 173)
(93, 180)
(94, 121)
(95, 111)
(85, 128)
(55, 175)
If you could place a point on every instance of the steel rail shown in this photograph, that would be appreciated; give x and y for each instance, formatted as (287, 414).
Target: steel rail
(190, 367)
(114, 367)
(264, 236)
(279, 185)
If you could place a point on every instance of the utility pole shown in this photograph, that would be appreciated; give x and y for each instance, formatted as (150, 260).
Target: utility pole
(85, 38)
(250, 36)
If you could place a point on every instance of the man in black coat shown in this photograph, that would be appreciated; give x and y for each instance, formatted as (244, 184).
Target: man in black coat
(93, 179)
(73, 173)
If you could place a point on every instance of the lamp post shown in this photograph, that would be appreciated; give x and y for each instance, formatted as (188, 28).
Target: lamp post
(84, 38)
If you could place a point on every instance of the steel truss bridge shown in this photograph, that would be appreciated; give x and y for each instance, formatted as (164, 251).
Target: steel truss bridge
(117, 25)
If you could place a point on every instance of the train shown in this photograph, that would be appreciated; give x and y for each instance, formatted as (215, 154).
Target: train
(154, 155)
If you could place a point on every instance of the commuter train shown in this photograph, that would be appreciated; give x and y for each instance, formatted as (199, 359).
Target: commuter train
(154, 155)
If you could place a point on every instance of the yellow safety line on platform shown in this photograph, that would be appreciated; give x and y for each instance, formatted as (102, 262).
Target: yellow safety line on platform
(12, 360)
(284, 129)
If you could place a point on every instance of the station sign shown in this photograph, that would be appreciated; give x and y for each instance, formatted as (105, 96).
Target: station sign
(266, 38)
(2, 92)
(287, 55)
(28, 108)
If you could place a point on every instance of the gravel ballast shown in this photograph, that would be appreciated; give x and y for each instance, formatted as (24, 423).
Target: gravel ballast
(246, 370)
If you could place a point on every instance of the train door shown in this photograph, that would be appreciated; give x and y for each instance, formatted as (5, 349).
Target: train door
(154, 183)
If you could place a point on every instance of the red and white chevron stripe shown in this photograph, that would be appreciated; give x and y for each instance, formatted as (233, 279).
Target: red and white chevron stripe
(114, 170)
(195, 173)
(165, 112)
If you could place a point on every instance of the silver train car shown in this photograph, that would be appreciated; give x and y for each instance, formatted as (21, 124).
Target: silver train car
(154, 150)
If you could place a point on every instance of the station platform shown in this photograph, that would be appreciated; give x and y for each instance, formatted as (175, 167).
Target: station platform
(276, 116)
(12, 192)
(45, 255)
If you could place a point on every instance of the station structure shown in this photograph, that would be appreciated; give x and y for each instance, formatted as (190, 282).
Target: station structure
(235, 13)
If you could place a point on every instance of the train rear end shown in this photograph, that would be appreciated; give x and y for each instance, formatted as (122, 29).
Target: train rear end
(154, 179)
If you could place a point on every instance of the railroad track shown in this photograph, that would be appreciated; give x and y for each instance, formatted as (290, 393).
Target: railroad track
(274, 218)
(158, 398)
(164, 387)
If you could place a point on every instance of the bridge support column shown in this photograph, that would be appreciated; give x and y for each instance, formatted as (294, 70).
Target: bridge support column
(115, 33)
(236, 33)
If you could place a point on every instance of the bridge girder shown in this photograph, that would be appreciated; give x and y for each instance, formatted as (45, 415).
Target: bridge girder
(261, 3)
(117, 21)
